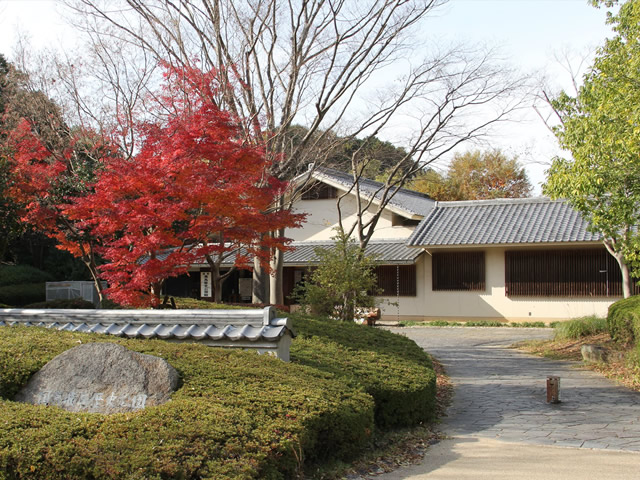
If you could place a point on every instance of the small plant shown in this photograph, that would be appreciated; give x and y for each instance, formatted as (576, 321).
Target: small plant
(344, 281)
(580, 327)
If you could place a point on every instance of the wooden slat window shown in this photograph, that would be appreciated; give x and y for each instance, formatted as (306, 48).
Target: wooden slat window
(458, 271)
(394, 280)
(562, 273)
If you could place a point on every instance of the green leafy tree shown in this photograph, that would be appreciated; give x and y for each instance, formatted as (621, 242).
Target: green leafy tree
(344, 280)
(476, 175)
(601, 128)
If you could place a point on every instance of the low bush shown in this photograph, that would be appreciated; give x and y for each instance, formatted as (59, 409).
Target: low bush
(184, 303)
(238, 415)
(20, 274)
(623, 320)
(485, 323)
(395, 371)
(580, 327)
(24, 294)
(528, 325)
(78, 303)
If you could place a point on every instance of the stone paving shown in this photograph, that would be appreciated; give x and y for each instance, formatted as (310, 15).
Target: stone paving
(500, 393)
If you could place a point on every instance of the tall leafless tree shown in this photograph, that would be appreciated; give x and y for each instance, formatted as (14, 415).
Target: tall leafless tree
(318, 63)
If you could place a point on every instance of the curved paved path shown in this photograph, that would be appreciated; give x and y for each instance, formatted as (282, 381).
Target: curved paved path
(500, 401)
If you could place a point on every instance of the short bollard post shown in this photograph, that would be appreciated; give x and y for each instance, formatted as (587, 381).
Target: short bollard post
(553, 389)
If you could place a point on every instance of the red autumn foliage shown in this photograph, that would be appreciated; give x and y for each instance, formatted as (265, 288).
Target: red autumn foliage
(195, 189)
(44, 181)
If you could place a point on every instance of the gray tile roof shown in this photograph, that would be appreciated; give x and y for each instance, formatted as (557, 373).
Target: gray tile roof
(386, 252)
(413, 203)
(502, 222)
(228, 327)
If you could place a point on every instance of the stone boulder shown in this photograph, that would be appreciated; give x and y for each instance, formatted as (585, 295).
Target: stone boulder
(594, 353)
(101, 378)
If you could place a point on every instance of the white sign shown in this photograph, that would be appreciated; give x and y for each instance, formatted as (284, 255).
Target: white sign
(205, 284)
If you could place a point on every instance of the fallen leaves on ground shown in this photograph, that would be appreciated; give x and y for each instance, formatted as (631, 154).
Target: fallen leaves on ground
(623, 365)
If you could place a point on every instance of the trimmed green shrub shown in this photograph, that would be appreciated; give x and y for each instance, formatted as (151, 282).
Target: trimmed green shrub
(237, 415)
(184, 303)
(623, 320)
(485, 323)
(528, 325)
(580, 327)
(395, 371)
(78, 303)
(24, 294)
(19, 274)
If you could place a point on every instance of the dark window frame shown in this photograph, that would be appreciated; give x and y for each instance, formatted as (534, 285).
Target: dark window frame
(458, 271)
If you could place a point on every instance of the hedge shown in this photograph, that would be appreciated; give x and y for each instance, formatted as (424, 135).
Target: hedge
(237, 415)
(623, 320)
(21, 274)
(59, 303)
(24, 294)
(396, 372)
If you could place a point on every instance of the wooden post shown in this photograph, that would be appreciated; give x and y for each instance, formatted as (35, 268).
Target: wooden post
(553, 389)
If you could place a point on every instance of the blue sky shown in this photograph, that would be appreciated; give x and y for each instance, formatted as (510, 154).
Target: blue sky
(527, 32)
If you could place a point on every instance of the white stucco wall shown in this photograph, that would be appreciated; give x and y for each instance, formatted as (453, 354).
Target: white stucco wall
(492, 304)
(322, 219)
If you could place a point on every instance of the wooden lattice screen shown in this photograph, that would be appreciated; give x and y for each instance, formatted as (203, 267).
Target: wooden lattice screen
(396, 280)
(458, 271)
(562, 273)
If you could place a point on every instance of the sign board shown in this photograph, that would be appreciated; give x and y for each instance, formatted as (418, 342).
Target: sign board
(245, 285)
(205, 284)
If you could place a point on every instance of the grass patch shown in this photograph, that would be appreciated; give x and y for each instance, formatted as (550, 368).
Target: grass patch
(580, 327)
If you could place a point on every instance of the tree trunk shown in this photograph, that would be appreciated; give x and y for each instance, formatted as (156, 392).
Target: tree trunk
(624, 269)
(276, 291)
(156, 289)
(217, 280)
(260, 286)
(93, 269)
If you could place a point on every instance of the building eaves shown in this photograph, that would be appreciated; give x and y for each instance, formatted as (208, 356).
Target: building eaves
(384, 252)
(409, 203)
(502, 222)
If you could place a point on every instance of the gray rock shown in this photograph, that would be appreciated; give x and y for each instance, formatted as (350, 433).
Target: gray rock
(594, 353)
(102, 378)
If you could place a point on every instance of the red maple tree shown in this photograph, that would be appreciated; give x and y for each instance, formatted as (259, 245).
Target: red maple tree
(46, 180)
(196, 192)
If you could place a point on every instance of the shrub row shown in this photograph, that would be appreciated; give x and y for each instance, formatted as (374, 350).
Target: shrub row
(623, 320)
(73, 303)
(396, 372)
(21, 274)
(236, 415)
(23, 294)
